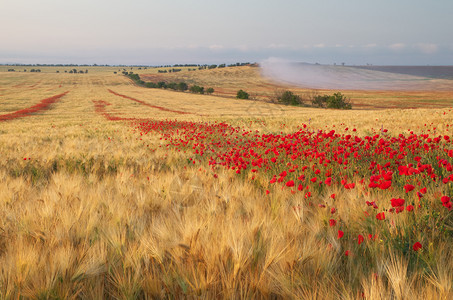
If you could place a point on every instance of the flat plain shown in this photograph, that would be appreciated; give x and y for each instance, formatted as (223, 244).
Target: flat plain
(112, 190)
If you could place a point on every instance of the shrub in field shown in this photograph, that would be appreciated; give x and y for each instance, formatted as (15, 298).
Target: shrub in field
(150, 85)
(197, 89)
(241, 94)
(337, 100)
(320, 101)
(161, 84)
(209, 91)
(182, 86)
(289, 98)
(172, 85)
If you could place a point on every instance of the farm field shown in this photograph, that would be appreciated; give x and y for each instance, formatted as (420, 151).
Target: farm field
(111, 190)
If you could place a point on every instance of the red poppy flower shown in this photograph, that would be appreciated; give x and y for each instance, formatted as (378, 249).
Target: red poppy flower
(328, 181)
(385, 185)
(397, 202)
(360, 239)
(290, 183)
(332, 222)
(410, 208)
(417, 246)
(409, 187)
(380, 216)
(333, 210)
(340, 234)
(445, 199)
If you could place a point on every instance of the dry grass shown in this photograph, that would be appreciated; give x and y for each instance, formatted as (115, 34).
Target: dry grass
(95, 213)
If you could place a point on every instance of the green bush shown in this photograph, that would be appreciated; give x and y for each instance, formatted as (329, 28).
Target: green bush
(320, 101)
(172, 85)
(337, 101)
(161, 84)
(150, 85)
(289, 98)
(242, 94)
(182, 86)
(197, 89)
(209, 91)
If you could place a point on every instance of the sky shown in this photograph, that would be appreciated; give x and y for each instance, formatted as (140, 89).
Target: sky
(159, 32)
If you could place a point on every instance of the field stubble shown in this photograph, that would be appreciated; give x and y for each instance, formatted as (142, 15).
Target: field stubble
(94, 208)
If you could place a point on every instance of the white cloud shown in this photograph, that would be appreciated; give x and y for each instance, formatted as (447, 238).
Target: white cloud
(277, 46)
(243, 48)
(216, 47)
(397, 46)
(428, 48)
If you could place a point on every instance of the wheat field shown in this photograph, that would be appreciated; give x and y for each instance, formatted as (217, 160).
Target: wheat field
(105, 194)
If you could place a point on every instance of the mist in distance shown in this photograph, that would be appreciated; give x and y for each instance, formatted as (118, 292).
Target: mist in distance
(339, 77)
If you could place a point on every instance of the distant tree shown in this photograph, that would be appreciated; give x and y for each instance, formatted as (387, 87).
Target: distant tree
(337, 100)
(182, 86)
(150, 85)
(221, 66)
(212, 67)
(242, 94)
(209, 91)
(161, 84)
(288, 98)
(197, 89)
(172, 85)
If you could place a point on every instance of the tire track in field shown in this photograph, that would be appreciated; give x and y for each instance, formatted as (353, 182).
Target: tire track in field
(150, 105)
(42, 105)
(99, 108)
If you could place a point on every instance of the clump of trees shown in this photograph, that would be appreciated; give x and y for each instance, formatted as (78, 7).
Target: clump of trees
(74, 71)
(196, 89)
(241, 94)
(289, 98)
(337, 101)
(176, 86)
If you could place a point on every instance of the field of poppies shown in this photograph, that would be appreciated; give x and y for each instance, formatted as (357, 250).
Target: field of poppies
(115, 191)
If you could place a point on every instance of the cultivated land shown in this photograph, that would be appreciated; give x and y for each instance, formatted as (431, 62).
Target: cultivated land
(111, 190)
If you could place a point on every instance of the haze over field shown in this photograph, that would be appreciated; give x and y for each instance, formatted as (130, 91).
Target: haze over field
(416, 32)
(358, 78)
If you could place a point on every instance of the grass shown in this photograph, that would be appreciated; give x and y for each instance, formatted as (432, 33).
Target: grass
(103, 209)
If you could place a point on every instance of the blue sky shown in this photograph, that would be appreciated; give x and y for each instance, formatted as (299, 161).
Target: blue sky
(413, 32)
